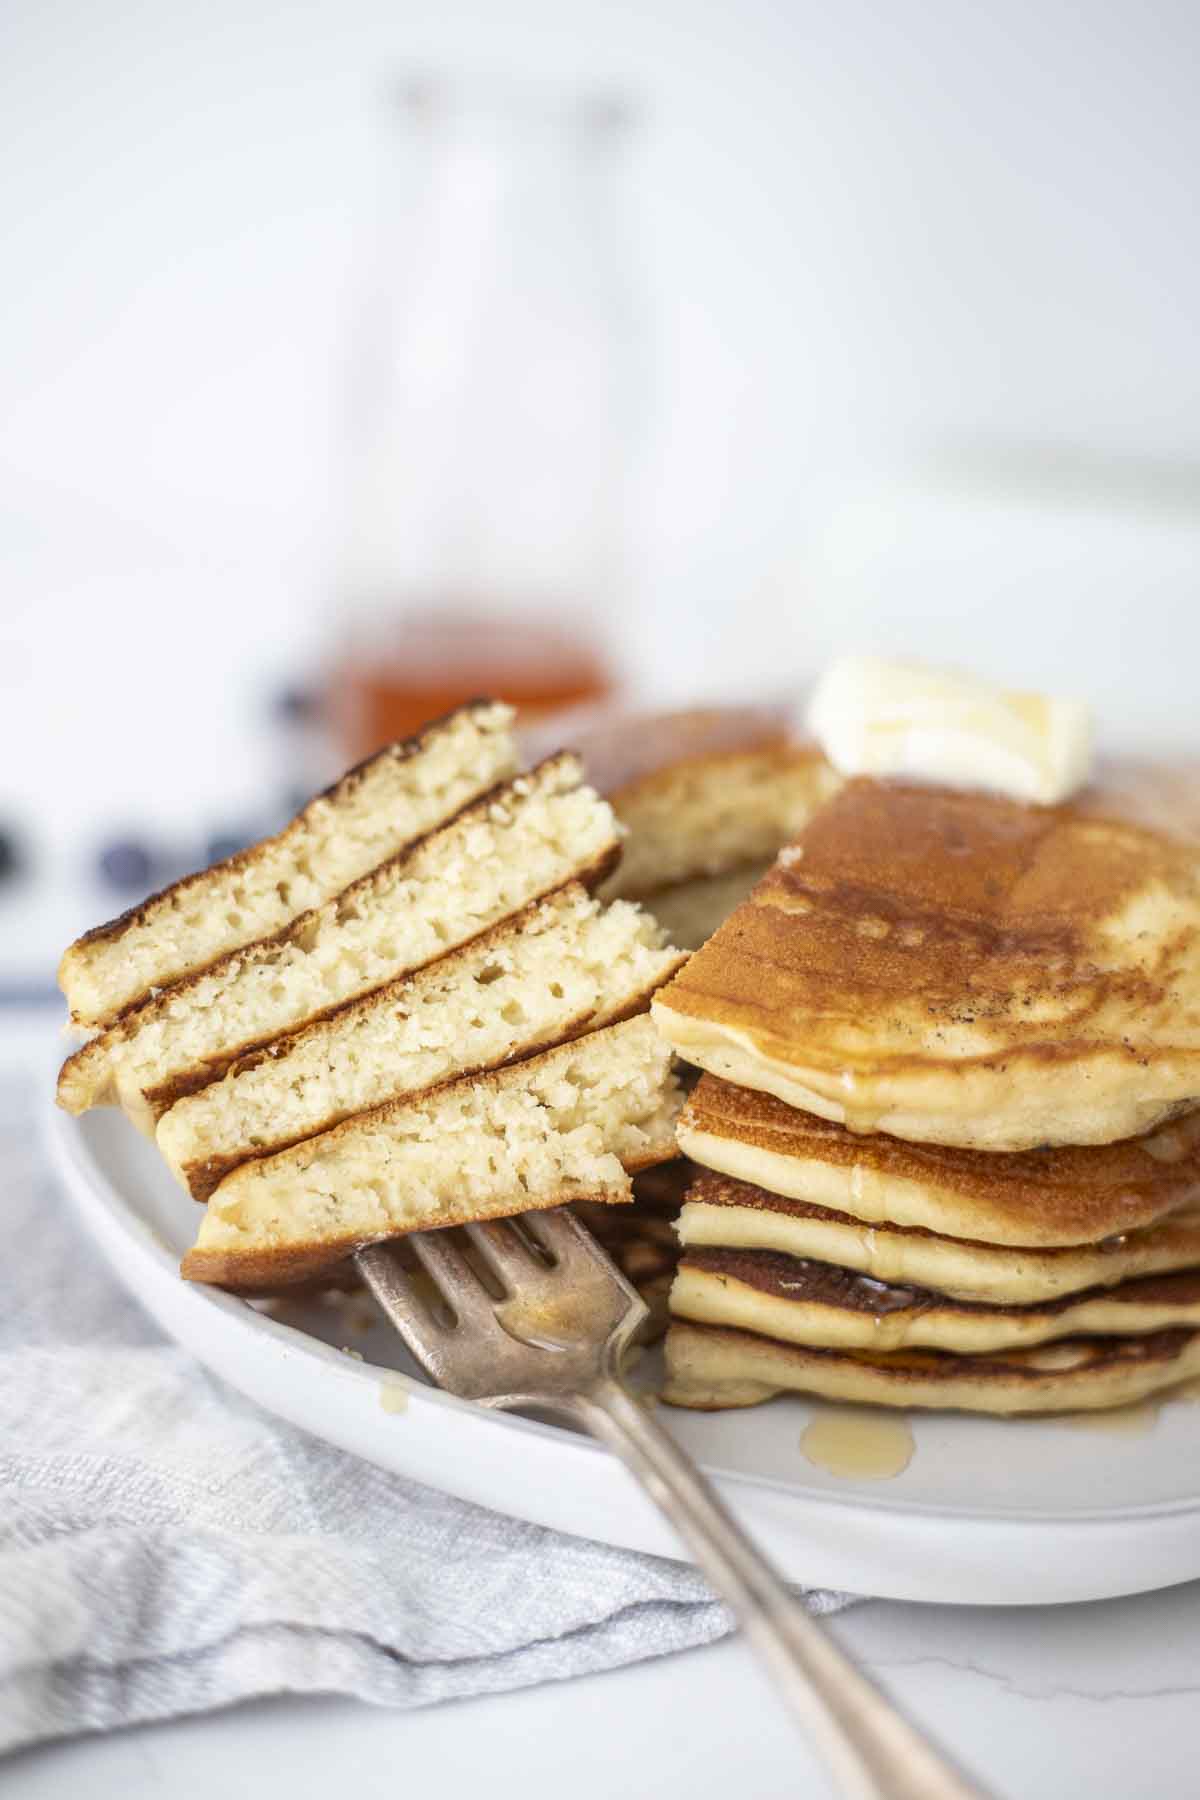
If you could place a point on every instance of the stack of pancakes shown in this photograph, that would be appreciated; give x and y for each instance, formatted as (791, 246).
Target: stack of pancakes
(948, 1127)
(406, 1010)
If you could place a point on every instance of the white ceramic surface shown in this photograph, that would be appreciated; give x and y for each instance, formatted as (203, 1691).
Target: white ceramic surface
(1036, 1703)
(988, 1512)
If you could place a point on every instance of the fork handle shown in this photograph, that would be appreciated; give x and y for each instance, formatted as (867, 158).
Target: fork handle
(870, 1749)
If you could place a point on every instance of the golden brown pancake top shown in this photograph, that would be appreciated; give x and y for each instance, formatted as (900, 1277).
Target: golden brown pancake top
(930, 933)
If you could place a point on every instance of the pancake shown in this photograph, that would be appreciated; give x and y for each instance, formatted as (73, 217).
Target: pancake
(706, 796)
(816, 1304)
(736, 1215)
(568, 1125)
(706, 814)
(959, 969)
(368, 816)
(521, 841)
(710, 1367)
(563, 966)
(1044, 1198)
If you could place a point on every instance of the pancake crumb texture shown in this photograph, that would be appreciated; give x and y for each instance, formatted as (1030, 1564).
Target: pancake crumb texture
(368, 816)
(565, 1125)
(564, 966)
(709, 815)
(520, 842)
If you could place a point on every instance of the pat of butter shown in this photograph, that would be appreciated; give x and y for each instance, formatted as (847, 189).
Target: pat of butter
(919, 724)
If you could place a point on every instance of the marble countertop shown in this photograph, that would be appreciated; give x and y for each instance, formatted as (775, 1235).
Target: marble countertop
(1044, 1703)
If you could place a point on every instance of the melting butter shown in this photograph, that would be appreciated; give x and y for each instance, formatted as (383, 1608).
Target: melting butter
(917, 724)
(393, 1397)
(852, 1442)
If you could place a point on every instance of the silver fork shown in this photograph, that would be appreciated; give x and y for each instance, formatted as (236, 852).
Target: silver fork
(539, 1317)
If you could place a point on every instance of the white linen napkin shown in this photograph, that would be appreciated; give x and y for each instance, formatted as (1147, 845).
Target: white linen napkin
(167, 1547)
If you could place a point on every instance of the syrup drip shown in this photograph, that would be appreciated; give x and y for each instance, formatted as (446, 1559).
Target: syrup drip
(863, 1121)
(882, 1297)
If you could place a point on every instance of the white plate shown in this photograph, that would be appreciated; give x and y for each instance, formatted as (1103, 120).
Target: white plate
(988, 1511)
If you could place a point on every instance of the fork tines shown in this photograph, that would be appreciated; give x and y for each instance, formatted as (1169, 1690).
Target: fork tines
(500, 1298)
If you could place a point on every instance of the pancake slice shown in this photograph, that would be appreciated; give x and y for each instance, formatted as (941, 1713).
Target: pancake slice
(710, 1367)
(959, 969)
(564, 1126)
(368, 816)
(706, 795)
(518, 843)
(824, 1307)
(564, 966)
(1045, 1198)
(737, 1215)
(707, 813)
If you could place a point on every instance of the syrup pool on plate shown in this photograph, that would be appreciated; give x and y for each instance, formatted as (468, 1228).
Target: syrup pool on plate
(855, 1441)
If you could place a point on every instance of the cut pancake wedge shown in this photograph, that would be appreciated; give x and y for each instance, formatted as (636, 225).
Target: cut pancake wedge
(521, 841)
(827, 1308)
(563, 966)
(737, 1215)
(710, 1367)
(564, 1126)
(367, 817)
(1070, 1195)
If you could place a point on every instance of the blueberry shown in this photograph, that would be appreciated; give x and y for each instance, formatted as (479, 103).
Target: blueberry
(10, 854)
(126, 864)
(295, 706)
(224, 844)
